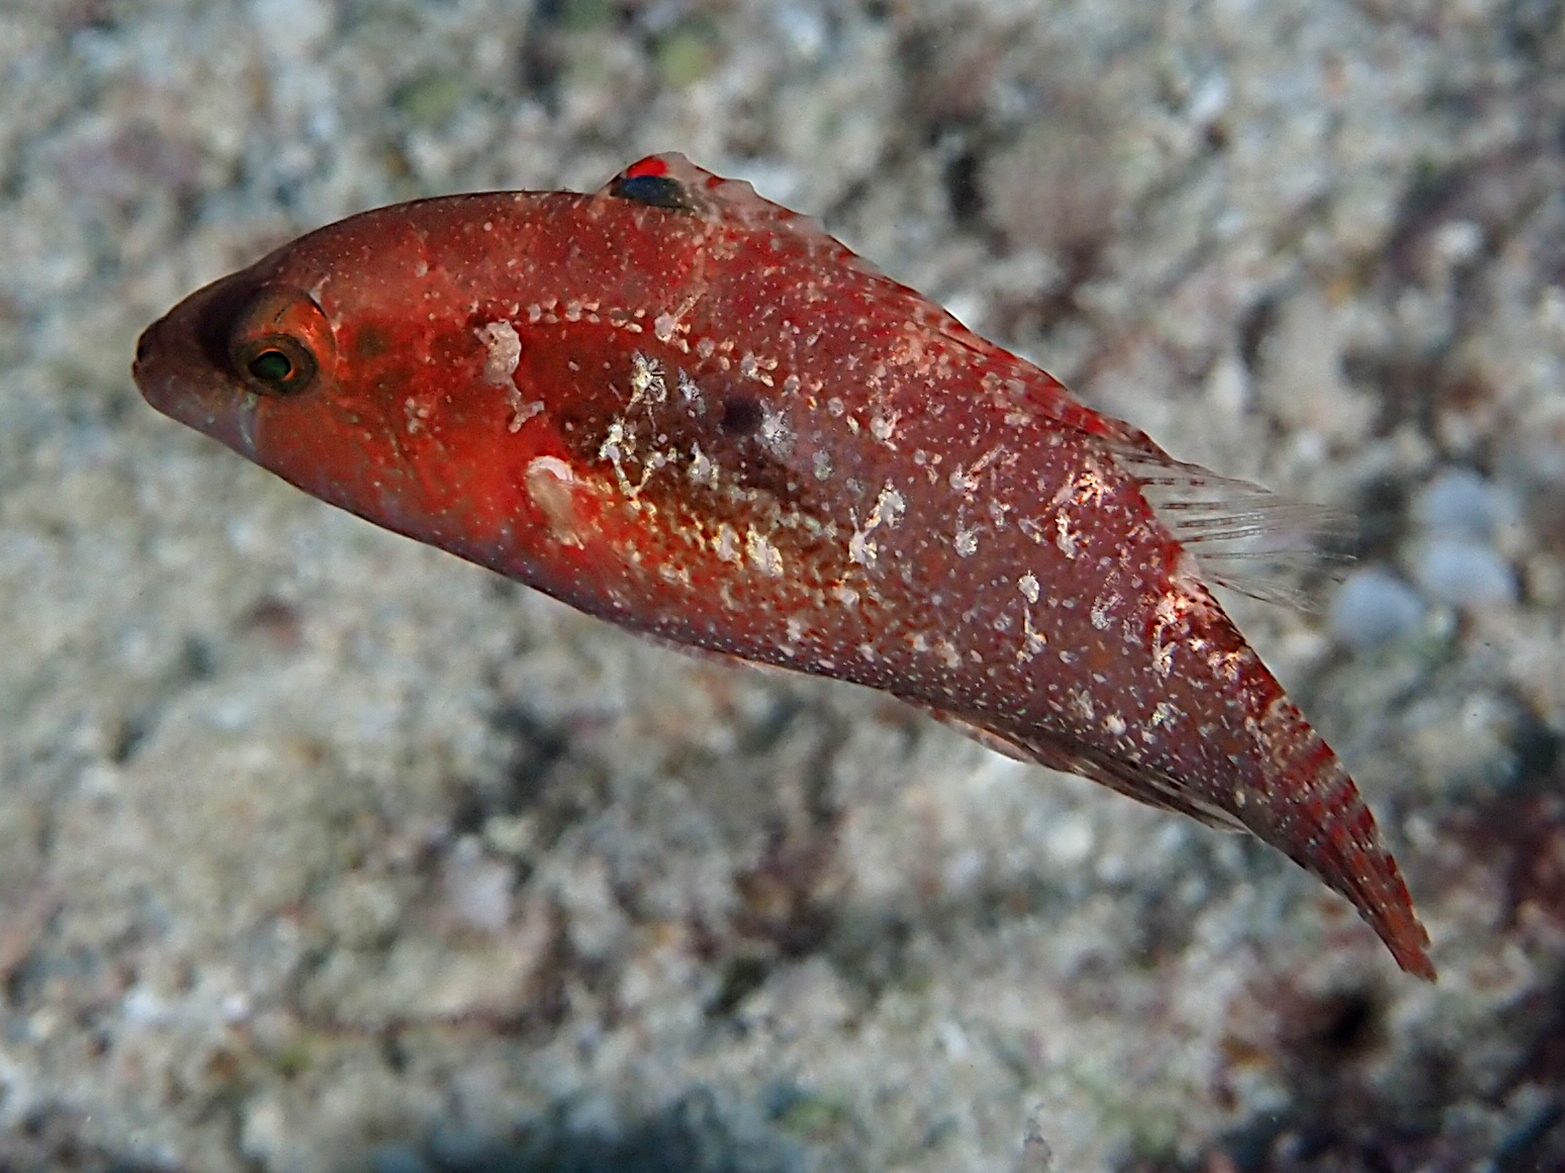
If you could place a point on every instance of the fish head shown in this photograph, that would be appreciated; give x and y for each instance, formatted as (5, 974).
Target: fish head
(351, 366)
(233, 353)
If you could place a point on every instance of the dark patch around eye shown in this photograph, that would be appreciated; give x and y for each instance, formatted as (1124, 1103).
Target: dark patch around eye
(741, 415)
(656, 191)
(215, 320)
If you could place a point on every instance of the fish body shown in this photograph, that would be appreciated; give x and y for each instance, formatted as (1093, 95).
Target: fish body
(691, 412)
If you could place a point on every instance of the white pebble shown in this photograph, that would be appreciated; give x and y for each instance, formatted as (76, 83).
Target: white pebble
(1071, 840)
(477, 888)
(1374, 607)
(1463, 573)
(1460, 502)
(803, 29)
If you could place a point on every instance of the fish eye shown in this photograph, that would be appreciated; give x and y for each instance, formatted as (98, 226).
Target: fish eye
(280, 342)
(275, 364)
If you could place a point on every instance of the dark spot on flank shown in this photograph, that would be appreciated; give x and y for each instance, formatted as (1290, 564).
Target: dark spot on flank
(372, 342)
(742, 415)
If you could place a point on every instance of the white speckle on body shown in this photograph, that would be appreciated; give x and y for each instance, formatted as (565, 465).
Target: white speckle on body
(888, 508)
(774, 429)
(1033, 640)
(861, 550)
(764, 556)
(1065, 537)
(416, 413)
(702, 470)
(646, 379)
(1100, 611)
(1080, 704)
(549, 481)
(1028, 584)
(727, 543)
(886, 511)
(610, 449)
(522, 412)
(504, 345)
(1170, 618)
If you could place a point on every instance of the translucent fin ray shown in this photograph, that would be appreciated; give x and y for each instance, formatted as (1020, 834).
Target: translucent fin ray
(1244, 536)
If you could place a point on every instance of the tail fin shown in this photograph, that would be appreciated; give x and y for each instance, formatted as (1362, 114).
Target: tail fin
(1314, 814)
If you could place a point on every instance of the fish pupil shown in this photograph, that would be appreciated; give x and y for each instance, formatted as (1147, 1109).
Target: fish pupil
(271, 366)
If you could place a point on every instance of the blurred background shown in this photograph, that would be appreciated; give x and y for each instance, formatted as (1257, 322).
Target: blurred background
(322, 851)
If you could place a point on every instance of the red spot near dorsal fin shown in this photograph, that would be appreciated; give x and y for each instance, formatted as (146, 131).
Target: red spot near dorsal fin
(652, 165)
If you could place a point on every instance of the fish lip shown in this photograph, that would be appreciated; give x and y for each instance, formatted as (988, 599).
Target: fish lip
(143, 354)
(149, 368)
(156, 369)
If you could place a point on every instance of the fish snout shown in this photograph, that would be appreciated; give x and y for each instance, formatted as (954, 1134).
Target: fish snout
(154, 375)
(177, 375)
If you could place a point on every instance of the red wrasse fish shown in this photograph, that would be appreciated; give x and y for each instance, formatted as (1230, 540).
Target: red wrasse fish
(687, 410)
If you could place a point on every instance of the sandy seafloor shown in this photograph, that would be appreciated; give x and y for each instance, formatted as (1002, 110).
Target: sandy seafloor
(323, 851)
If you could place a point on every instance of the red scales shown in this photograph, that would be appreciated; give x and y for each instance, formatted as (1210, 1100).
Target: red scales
(687, 410)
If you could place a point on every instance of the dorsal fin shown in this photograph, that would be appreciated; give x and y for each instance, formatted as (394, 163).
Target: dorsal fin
(1242, 535)
(669, 180)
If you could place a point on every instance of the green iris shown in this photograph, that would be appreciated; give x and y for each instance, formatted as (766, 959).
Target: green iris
(274, 364)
